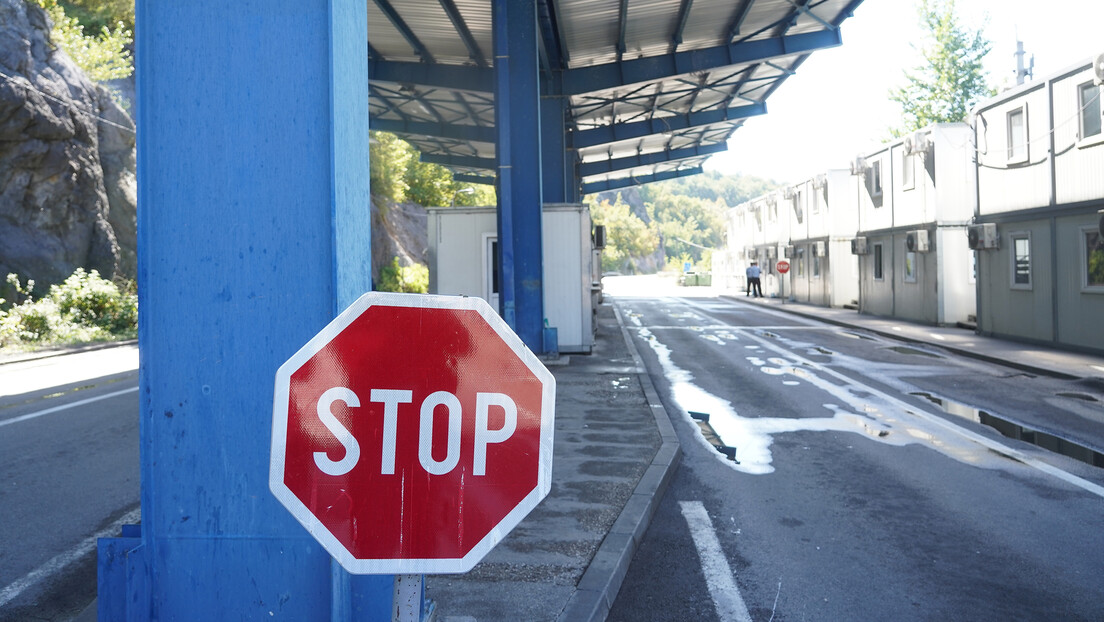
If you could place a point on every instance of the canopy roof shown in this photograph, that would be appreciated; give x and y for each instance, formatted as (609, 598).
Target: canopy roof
(653, 87)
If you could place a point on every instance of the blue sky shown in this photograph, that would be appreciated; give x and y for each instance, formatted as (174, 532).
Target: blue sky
(837, 105)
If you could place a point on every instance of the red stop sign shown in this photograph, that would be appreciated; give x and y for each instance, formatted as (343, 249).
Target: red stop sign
(412, 434)
(783, 266)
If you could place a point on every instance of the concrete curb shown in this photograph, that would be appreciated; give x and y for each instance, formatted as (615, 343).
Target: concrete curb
(599, 585)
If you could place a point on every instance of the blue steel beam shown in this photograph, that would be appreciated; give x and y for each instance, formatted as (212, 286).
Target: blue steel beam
(474, 133)
(489, 164)
(612, 75)
(738, 19)
(601, 167)
(404, 29)
(217, 316)
(518, 149)
(486, 180)
(625, 182)
(455, 77)
(661, 125)
(465, 34)
(680, 25)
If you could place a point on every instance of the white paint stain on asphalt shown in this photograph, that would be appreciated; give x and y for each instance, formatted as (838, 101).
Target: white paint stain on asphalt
(866, 411)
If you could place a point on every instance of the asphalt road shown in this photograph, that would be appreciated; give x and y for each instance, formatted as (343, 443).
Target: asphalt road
(854, 499)
(68, 474)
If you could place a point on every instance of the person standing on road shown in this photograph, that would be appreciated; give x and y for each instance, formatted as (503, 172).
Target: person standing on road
(753, 283)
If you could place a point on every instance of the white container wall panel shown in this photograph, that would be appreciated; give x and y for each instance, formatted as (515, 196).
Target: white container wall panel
(956, 282)
(914, 202)
(1009, 180)
(844, 273)
(1079, 163)
(1016, 311)
(566, 240)
(456, 252)
(841, 203)
(875, 206)
(460, 264)
(955, 175)
(1080, 308)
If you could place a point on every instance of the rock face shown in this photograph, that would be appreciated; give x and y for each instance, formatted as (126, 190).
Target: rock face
(398, 230)
(68, 191)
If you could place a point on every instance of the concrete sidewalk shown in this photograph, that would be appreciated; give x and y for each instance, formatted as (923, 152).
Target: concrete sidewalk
(615, 451)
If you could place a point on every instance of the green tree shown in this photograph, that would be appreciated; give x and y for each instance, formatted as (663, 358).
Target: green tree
(95, 15)
(398, 174)
(104, 55)
(627, 236)
(951, 78)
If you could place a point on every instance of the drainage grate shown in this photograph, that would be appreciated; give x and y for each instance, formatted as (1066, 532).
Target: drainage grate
(710, 435)
(1016, 431)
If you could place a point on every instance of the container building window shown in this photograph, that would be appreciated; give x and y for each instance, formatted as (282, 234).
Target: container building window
(1017, 135)
(1089, 98)
(1021, 261)
(1093, 252)
(879, 271)
(910, 267)
(908, 171)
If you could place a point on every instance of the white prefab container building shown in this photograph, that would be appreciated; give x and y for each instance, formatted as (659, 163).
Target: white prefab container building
(916, 197)
(462, 261)
(823, 219)
(1038, 231)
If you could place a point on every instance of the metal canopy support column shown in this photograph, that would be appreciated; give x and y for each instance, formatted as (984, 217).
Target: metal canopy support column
(558, 161)
(251, 236)
(518, 126)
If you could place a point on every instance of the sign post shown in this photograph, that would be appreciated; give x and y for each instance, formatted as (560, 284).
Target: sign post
(783, 267)
(412, 434)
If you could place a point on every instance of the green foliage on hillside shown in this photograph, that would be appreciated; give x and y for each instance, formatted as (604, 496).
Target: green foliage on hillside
(626, 235)
(95, 15)
(404, 279)
(399, 175)
(103, 53)
(686, 215)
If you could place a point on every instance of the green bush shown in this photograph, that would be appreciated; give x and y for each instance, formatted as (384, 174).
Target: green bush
(85, 307)
(407, 279)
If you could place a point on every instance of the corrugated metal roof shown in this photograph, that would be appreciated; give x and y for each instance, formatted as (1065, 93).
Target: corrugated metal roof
(432, 76)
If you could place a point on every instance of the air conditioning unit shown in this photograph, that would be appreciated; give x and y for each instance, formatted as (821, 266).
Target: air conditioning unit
(1098, 69)
(818, 249)
(917, 241)
(788, 193)
(983, 236)
(858, 166)
(859, 247)
(791, 251)
(820, 181)
(920, 142)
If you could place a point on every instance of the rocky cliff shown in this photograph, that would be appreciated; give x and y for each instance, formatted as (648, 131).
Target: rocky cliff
(68, 194)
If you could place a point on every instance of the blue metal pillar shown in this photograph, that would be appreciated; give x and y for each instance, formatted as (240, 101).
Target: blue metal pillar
(253, 230)
(518, 125)
(559, 181)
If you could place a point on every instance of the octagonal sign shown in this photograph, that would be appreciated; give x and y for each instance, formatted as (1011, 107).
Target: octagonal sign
(412, 434)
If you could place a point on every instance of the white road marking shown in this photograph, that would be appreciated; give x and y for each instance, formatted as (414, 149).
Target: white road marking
(55, 409)
(727, 600)
(60, 561)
